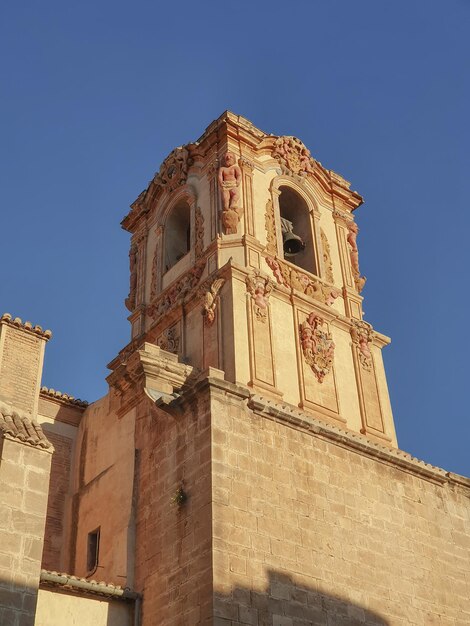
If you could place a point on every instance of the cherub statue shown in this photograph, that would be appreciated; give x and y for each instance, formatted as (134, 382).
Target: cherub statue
(210, 301)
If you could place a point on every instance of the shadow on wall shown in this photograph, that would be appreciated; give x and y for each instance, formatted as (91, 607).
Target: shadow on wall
(285, 603)
(17, 603)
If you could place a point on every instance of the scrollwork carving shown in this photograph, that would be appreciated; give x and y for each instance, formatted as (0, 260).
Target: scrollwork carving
(170, 339)
(260, 288)
(270, 223)
(317, 346)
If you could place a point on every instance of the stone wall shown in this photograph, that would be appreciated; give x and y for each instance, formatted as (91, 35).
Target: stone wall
(315, 526)
(174, 540)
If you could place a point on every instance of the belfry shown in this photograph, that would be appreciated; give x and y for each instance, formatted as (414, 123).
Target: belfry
(243, 467)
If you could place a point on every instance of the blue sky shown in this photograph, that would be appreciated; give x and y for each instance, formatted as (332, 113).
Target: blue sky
(95, 94)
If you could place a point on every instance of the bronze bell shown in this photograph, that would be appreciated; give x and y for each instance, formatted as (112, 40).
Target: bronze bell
(292, 243)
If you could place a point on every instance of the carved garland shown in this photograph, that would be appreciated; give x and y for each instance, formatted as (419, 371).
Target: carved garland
(317, 346)
(326, 257)
(270, 223)
(260, 288)
(199, 227)
(297, 280)
(362, 334)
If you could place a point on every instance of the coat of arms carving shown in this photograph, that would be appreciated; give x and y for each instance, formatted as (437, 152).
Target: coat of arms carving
(317, 345)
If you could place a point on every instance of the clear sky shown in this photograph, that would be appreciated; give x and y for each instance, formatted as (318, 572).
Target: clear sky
(95, 95)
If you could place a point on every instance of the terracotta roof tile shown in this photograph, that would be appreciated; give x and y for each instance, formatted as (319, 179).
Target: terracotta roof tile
(22, 427)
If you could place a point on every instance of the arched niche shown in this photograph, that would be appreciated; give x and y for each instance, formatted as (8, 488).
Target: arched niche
(294, 208)
(177, 234)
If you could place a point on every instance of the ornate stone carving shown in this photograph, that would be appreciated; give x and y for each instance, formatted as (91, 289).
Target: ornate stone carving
(326, 257)
(362, 334)
(174, 295)
(210, 301)
(229, 182)
(359, 280)
(317, 346)
(199, 227)
(170, 339)
(130, 300)
(297, 280)
(174, 169)
(270, 223)
(246, 163)
(260, 288)
(294, 156)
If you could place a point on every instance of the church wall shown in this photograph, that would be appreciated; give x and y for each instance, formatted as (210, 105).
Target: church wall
(103, 483)
(319, 529)
(173, 537)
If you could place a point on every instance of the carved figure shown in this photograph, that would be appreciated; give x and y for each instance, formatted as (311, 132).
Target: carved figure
(317, 346)
(353, 231)
(362, 334)
(130, 300)
(210, 301)
(230, 176)
(260, 288)
(277, 271)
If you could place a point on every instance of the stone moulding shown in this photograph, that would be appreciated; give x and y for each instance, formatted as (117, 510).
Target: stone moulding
(317, 346)
(285, 413)
(28, 326)
(293, 278)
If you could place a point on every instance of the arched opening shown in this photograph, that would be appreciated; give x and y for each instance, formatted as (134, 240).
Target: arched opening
(295, 224)
(177, 234)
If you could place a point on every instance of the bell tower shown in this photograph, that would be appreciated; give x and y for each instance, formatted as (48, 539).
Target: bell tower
(244, 258)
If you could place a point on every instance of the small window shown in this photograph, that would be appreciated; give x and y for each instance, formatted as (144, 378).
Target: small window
(296, 226)
(93, 548)
(177, 234)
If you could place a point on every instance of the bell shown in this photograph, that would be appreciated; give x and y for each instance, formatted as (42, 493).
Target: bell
(292, 243)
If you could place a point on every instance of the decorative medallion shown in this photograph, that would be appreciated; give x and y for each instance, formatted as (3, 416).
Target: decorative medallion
(170, 339)
(362, 334)
(326, 257)
(174, 169)
(210, 301)
(294, 156)
(317, 345)
(260, 288)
